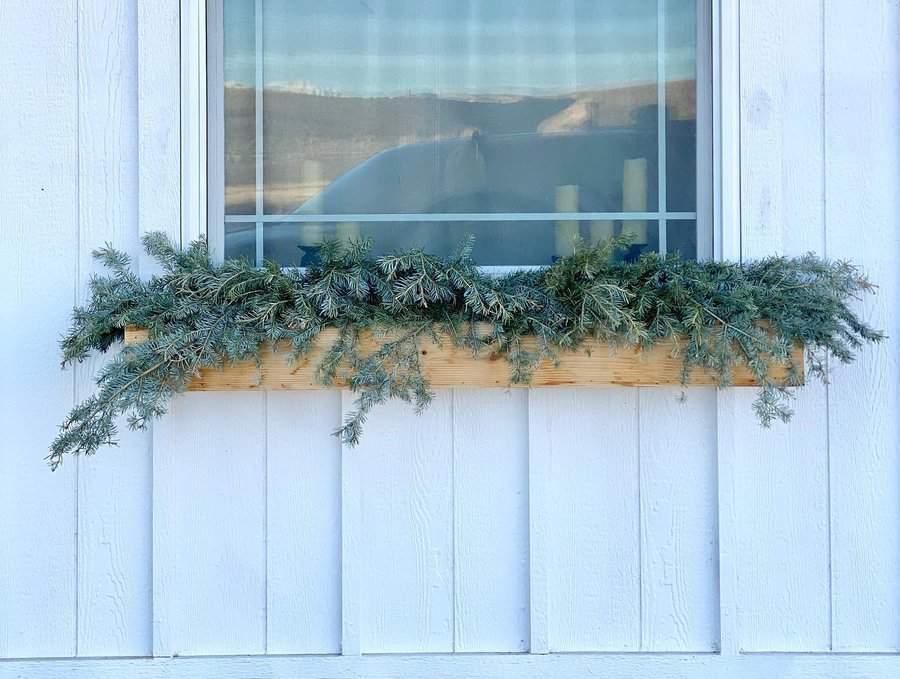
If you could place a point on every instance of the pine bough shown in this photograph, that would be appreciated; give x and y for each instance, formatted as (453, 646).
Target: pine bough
(201, 315)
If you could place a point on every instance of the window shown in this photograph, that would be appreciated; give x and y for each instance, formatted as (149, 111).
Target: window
(527, 123)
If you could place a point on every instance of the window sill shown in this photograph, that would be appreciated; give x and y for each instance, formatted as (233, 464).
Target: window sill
(448, 365)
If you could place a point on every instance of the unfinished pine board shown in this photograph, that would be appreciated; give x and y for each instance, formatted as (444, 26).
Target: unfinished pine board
(448, 365)
(490, 512)
(862, 146)
(303, 539)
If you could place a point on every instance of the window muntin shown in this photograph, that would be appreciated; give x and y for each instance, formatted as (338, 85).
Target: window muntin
(416, 122)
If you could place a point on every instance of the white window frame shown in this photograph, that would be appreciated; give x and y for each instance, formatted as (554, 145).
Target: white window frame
(718, 134)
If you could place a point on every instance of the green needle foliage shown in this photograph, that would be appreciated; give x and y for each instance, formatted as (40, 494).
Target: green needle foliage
(201, 315)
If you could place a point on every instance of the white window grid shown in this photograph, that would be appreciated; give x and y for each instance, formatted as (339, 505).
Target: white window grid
(702, 216)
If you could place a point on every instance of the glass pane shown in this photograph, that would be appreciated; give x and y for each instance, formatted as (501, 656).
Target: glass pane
(681, 105)
(240, 109)
(431, 106)
(681, 238)
(240, 241)
(497, 243)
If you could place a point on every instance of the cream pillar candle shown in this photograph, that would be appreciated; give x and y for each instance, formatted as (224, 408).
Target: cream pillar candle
(311, 182)
(601, 230)
(566, 230)
(634, 198)
(312, 233)
(346, 231)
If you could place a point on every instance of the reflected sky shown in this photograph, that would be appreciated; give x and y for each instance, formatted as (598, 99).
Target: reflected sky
(455, 107)
(457, 47)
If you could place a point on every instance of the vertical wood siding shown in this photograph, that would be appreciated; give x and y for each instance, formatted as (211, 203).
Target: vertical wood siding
(303, 519)
(113, 503)
(38, 234)
(216, 586)
(543, 520)
(862, 185)
(490, 520)
(591, 466)
(406, 530)
(781, 475)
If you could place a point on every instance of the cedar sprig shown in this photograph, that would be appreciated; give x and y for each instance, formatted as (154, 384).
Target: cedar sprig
(715, 315)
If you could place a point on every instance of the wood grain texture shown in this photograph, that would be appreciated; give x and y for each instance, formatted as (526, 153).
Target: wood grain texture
(216, 587)
(727, 245)
(540, 523)
(471, 666)
(447, 365)
(352, 566)
(303, 510)
(589, 440)
(490, 518)
(158, 198)
(38, 251)
(158, 123)
(406, 550)
(114, 493)
(781, 506)
(862, 165)
(679, 598)
(165, 528)
(781, 474)
(728, 528)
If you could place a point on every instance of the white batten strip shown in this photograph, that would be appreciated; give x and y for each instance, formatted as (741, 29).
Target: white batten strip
(539, 517)
(193, 120)
(727, 245)
(351, 529)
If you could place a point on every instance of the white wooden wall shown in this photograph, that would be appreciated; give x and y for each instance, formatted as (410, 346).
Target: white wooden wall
(615, 523)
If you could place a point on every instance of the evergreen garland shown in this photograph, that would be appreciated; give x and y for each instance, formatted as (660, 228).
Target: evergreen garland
(202, 315)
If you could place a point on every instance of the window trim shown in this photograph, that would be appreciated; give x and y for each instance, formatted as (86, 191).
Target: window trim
(718, 135)
(193, 117)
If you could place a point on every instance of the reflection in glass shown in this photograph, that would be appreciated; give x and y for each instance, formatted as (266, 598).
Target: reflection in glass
(240, 241)
(507, 107)
(681, 238)
(681, 105)
(497, 243)
(240, 110)
(435, 106)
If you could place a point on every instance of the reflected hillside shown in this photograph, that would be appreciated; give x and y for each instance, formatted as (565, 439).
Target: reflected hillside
(311, 139)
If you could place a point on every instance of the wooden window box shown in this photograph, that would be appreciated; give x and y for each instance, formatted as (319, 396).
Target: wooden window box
(448, 365)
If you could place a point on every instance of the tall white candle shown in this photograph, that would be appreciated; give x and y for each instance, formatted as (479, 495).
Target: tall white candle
(566, 230)
(634, 198)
